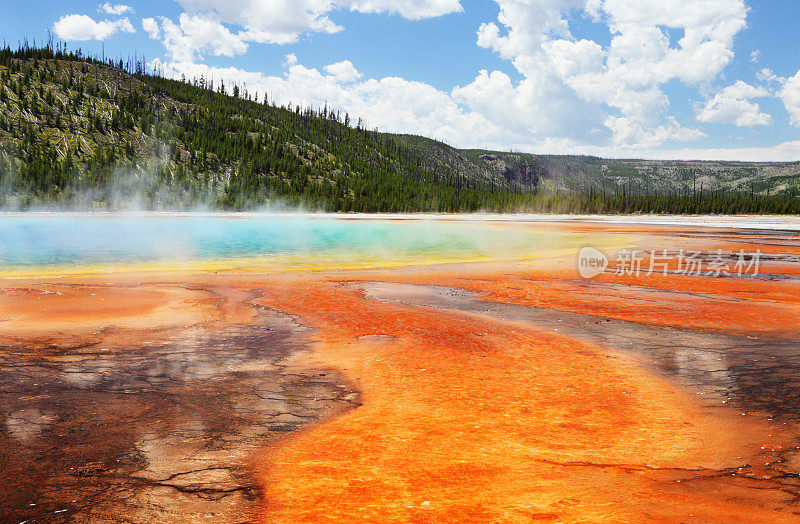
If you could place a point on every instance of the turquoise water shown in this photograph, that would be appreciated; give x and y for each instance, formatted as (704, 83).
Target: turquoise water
(76, 239)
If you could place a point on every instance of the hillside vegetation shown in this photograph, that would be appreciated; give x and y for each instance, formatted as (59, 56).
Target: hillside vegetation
(78, 132)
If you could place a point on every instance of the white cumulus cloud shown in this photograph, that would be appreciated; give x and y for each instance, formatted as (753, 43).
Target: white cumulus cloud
(115, 9)
(768, 76)
(410, 9)
(267, 21)
(343, 71)
(284, 21)
(790, 96)
(224, 27)
(626, 75)
(733, 105)
(194, 36)
(150, 26)
(83, 27)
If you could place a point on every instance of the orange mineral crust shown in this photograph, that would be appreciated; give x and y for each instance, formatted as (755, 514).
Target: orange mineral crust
(753, 305)
(469, 419)
(60, 307)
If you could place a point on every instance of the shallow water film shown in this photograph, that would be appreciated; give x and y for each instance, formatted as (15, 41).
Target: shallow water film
(201, 368)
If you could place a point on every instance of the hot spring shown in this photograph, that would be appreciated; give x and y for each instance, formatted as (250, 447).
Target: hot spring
(76, 242)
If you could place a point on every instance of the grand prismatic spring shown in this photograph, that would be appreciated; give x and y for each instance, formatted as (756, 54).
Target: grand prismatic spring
(213, 368)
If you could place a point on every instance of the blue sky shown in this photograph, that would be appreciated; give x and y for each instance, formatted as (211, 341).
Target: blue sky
(705, 79)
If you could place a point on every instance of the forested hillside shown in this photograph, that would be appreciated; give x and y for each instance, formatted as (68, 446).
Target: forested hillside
(86, 133)
(575, 174)
(76, 131)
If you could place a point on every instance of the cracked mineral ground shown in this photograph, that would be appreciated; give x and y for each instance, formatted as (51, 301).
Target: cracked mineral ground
(492, 391)
(154, 430)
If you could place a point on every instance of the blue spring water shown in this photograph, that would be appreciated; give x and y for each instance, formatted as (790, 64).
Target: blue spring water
(75, 239)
